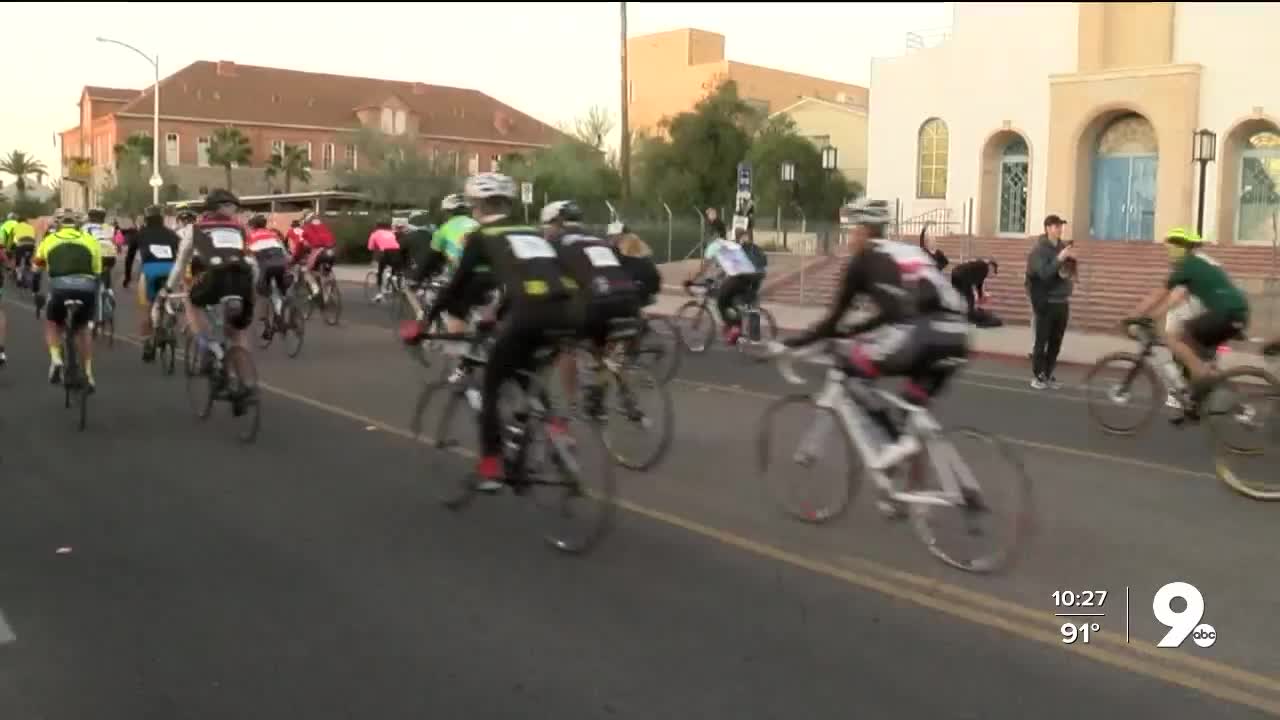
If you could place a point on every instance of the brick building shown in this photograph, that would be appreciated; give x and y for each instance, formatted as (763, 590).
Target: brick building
(463, 131)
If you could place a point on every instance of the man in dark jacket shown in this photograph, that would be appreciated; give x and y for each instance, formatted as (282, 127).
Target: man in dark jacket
(1050, 281)
(968, 278)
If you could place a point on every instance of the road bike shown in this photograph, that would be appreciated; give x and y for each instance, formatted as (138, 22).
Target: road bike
(410, 303)
(283, 317)
(104, 323)
(658, 347)
(1246, 398)
(913, 461)
(393, 281)
(75, 381)
(696, 319)
(327, 295)
(231, 378)
(542, 452)
(165, 334)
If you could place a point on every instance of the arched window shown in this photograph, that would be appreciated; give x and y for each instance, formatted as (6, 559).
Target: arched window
(931, 165)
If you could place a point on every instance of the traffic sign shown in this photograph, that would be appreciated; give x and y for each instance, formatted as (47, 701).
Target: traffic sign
(526, 193)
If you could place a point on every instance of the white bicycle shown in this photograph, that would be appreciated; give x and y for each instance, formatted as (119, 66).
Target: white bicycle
(869, 418)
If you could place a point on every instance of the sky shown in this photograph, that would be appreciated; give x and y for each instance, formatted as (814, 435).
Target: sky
(551, 60)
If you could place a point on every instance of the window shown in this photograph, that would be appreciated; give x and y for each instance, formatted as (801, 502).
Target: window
(931, 168)
(349, 156)
(277, 147)
(202, 152)
(388, 120)
(326, 157)
(495, 163)
(401, 122)
(473, 165)
(451, 162)
(308, 146)
(171, 149)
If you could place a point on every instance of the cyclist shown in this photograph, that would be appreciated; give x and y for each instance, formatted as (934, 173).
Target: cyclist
(728, 260)
(214, 248)
(1225, 315)
(445, 252)
(6, 228)
(534, 302)
(272, 263)
(387, 246)
(603, 289)
(20, 242)
(158, 246)
(106, 237)
(74, 263)
(316, 241)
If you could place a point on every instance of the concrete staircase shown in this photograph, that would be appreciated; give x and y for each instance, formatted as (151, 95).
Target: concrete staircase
(1113, 277)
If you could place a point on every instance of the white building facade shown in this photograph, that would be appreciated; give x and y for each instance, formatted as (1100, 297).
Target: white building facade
(1088, 111)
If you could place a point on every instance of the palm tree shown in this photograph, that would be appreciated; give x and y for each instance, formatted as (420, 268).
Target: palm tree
(137, 145)
(229, 147)
(292, 164)
(20, 165)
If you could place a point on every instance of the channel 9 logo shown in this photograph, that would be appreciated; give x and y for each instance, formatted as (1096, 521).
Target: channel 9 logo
(1185, 623)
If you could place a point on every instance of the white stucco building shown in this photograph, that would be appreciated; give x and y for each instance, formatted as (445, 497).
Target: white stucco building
(1086, 110)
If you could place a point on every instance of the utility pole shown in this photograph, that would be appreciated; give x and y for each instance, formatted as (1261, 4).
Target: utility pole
(624, 147)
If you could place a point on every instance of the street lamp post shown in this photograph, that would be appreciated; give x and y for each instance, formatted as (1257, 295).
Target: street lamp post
(830, 158)
(788, 177)
(1204, 149)
(156, 181)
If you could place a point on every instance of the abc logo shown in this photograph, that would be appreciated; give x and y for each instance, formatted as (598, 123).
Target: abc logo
(1204, 635)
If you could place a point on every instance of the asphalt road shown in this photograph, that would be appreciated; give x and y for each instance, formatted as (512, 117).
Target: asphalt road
(153, 567)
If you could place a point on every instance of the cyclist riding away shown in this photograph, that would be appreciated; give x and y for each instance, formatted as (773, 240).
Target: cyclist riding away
(445, 252)
(603, 290)
(20, 242)
(268, 256)
(317, 242)
(1225, 316)
(74, 262)
(158, 246)
(384, 243)
(215, 250)
(106, 237)
(727, 259)
(534, 302)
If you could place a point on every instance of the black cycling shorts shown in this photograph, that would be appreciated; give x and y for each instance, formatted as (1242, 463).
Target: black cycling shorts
(592, 316)
(214, 284)
(1211, 329)
(273, 271)
(63, 289)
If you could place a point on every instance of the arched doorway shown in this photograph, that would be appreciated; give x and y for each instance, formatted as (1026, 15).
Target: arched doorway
(1123, 198)
(1258, 215)
(1015, 167)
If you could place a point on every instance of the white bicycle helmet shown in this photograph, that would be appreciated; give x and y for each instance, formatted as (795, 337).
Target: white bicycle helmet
(453, 202)
(490, 185)
(869, 212)
(561, 211)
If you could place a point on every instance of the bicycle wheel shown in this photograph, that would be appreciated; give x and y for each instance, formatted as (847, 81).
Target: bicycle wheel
(818, 468)
(660, 348)
(639, 405)
(167, 353)
(371, 286)
(696, 326)
(1243, 414)
(331, 307)
(768, 328)
(109, 319)
(453, 489)
(304, 298)
(1005, 516)
(81, 394)
(242, 381)
(294, 328)
(1123, 380)
(199, 380)
(268, 334)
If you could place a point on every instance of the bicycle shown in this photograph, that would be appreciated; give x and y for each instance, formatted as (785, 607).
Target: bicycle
(759, 326)
(1171, 382)
(233, 378)
(614, 367)
(658, 347)
(328, 296)
(393, 282)
(282, 316)
(533, 447)
(104, 324)
(411, 303)
(868, 418)
(165, 334)
(75, 381)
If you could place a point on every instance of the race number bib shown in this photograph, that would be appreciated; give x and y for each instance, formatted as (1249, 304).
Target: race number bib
(226, 238)
(733, 260)
(161, 252)
(528, 247)
(601, 256)
(265, 245)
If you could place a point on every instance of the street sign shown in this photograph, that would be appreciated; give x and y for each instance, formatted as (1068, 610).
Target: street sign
(526, 193)
(744, 178)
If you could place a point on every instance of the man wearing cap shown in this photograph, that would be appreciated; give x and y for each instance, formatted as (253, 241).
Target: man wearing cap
(1050, 273)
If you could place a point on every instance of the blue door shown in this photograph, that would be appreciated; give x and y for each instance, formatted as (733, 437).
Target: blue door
(1124, 197)
(1142, 198)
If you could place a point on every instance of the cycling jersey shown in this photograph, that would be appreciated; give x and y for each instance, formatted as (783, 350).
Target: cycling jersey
(450, 239)
(213, 242)
(731, 258)
(6, 230)
(1205, 279)
(21, 233)
(105, 235)
(875, 274)
(266, 246)
(383, 240)
(69, 253)
(922, 278)
(593, 266)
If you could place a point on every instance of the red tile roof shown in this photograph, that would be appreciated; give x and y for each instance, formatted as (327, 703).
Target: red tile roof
(106, 93)
(249, 95)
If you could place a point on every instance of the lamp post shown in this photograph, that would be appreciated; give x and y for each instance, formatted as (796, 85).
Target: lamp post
(788, 177)
(1204, 149)
(156, 181)
(830, 157)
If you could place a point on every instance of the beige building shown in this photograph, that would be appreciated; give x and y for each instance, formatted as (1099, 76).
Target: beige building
(1093, 121)
(669, 72)
(839, 125)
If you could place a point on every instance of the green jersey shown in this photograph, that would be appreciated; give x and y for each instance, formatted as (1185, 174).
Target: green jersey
(450, 238)
(1205, 279)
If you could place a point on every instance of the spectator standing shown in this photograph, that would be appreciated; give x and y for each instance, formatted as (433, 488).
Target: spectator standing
(1049, 283)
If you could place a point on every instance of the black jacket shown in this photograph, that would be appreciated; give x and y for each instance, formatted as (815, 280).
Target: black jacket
(1045, 281)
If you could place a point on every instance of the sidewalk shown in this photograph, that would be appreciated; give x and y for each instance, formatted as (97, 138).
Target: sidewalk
(1009, 342)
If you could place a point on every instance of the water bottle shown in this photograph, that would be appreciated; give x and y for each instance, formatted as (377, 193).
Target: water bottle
(753, 323)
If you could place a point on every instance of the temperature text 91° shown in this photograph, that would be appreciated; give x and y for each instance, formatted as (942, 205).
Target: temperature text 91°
(1082, 632)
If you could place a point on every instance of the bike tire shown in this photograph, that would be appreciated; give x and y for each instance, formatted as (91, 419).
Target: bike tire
(305, 300)
(1020, 523)
(845, 488)
(331, 309)
(1135, 367)
(689, 322)
(1225, 449)
(167, 352)
(198, 382)
(660, 350)
(629, 382)
(265, 342)
(454, 490)
(239, 363)
(295, 329)
(370, 286)
(82, 401)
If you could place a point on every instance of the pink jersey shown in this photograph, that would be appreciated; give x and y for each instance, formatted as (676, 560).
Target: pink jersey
(383, 240)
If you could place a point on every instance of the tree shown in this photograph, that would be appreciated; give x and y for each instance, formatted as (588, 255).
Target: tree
(696, 163)
(393, 172)
(292, 164)
(127, 187)
(137, 145)
(818, 193)
(591, 129)
(229, 147)
(20, 166)
(568, 170)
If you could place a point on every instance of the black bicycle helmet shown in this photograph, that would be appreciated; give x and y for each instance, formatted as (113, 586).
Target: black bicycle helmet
(153, 211)
(97, 215)
(258, 221)
(218, 197)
